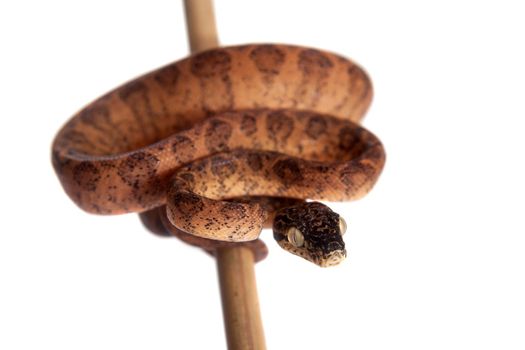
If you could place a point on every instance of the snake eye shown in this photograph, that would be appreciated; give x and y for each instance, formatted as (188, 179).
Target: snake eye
(342, 225)
(295, 237)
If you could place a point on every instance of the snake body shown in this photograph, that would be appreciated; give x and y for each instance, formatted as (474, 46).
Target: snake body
(257, 120)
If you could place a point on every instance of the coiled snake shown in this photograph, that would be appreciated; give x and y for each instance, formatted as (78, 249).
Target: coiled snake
(253, 120)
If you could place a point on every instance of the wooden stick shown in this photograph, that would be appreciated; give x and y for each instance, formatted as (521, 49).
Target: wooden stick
(235, 264)
(240, 305)
(200, 22)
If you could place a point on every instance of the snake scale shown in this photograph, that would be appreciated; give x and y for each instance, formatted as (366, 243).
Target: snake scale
(275, 122)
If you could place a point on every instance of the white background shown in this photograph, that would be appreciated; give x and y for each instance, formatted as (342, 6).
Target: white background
(436, 251)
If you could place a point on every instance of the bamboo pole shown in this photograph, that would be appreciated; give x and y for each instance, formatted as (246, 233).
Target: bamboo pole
(235, 264)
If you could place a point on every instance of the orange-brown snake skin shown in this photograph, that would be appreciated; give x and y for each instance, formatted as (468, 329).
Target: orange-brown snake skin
(253, 120)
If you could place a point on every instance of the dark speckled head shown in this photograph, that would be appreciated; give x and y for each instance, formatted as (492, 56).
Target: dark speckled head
(312, 231)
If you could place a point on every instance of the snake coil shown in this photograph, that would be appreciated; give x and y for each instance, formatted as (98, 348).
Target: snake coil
(276, 122)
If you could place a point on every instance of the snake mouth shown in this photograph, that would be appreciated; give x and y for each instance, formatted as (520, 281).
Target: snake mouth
(332, 259)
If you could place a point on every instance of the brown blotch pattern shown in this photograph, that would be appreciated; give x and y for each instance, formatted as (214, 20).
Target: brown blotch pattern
(136, 96)
(279, 126)
(189, 179)
(183, 148)
(109, 137)
(77, 141)
(348, 138)
(132, 92)
(233, 211)
(222, 167)
(316, 127)
(138, 168)
(188, 204)
(313, 62)
(288, 170)
(217, 135)
(356, 170)
(168, 78)
(248, 124)
(255, 161)
(152, 190)
(87, 176)
(96, 116)
(211, 63)
(360, 85)
(268, 59)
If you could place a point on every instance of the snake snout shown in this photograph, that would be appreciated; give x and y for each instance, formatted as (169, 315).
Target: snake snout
(333, 258)
(335, 246)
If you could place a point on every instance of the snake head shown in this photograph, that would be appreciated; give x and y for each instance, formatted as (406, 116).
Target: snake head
(312, 231)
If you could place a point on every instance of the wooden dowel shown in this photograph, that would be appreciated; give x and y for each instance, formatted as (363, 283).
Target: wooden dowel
(240, 303)
(235, 264)
(200, 23)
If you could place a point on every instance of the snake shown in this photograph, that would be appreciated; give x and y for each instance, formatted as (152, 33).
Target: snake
(206, 141)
